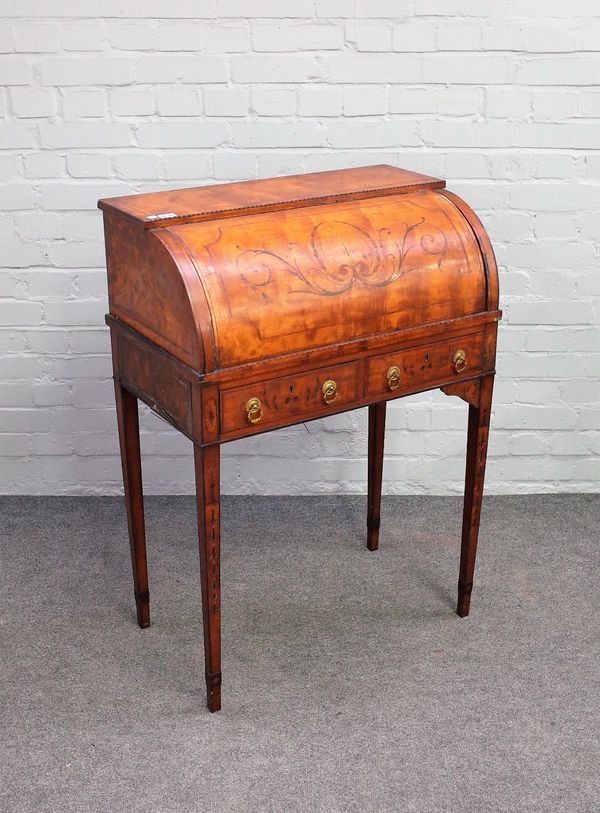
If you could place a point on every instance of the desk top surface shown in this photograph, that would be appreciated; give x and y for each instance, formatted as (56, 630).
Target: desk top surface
(160, 209)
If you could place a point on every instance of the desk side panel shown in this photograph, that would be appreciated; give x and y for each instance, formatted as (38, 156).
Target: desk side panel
(153, 288)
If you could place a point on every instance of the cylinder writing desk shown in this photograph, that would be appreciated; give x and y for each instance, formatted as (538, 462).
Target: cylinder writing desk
(240, 308)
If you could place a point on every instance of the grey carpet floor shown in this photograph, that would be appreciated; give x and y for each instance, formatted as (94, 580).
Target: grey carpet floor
(349, 684)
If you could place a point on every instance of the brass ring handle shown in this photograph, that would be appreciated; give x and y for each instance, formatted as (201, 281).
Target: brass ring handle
(253, 410)
(459, 361)
(393, 378)
(329, 390)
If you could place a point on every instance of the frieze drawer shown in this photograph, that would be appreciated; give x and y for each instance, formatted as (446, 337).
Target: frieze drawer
(282, 399)
(421, 367)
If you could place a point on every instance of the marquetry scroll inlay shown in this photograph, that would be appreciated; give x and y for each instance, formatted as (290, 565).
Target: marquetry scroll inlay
(340, 255)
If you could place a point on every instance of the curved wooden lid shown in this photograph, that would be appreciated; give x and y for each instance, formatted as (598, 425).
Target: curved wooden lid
(288, 281)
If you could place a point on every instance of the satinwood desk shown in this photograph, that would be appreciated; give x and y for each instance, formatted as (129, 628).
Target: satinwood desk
(240, 308)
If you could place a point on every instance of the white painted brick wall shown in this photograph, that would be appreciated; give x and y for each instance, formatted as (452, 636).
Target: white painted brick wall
(502, 97)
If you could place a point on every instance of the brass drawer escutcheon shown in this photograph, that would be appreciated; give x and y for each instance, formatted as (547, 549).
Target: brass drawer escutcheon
(253, 410)
(459, 361)
(393, 378)
(329, 390)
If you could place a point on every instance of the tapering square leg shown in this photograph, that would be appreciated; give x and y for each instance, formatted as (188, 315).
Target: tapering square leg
(376, 439)
(477, 442)
(207, 465)
(129, 440)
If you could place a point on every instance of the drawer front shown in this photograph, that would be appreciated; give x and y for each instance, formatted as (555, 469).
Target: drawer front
(282, 399)
(422, 367)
